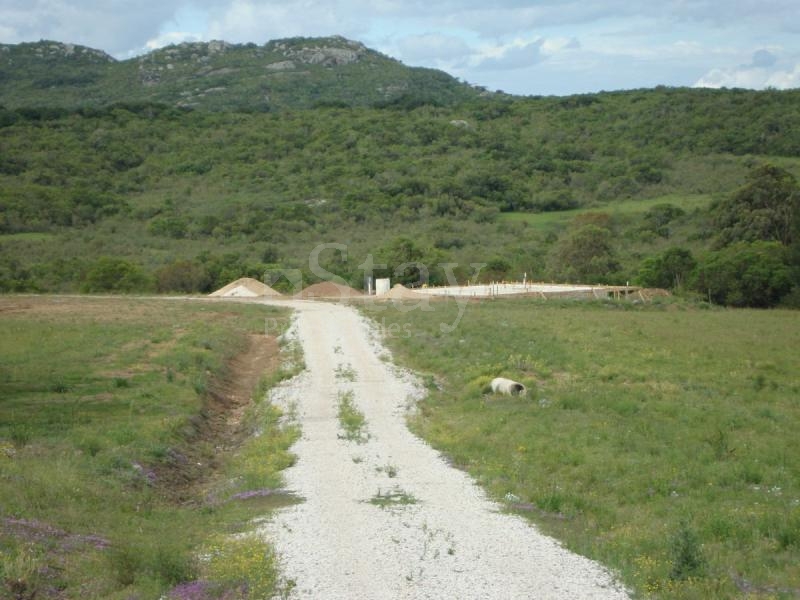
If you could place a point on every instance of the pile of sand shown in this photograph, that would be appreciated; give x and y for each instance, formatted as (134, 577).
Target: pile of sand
(328, 289)
(246, 287)
(402, 292)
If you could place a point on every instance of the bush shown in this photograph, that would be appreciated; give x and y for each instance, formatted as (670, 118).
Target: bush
(115, 275)
(183, 276)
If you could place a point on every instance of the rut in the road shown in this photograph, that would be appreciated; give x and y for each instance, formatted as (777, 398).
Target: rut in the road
(388, 518)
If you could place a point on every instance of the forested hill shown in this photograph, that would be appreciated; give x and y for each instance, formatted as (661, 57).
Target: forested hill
(281, 74)
(690, 189)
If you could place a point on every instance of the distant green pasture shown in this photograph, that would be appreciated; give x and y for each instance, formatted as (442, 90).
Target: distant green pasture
(550, 220)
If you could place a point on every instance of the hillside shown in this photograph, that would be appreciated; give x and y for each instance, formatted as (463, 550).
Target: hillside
(290, 73)
(152, 190)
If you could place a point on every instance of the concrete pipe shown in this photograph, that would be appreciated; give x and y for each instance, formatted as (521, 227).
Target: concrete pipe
(501, 385)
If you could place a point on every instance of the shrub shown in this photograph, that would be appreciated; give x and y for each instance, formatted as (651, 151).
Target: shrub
(115, 275)
(183, 276)
(686, 554)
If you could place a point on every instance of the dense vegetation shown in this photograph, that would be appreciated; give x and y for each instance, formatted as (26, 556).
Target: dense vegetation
(662, 187)
(658, 439)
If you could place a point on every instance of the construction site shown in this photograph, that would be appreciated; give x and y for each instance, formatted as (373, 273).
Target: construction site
(330, 290)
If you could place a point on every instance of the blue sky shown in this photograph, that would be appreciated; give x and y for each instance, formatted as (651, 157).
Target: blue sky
(523, 47)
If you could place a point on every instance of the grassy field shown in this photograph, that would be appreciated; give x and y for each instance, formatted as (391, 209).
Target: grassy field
(549, 221)
(660, 440)
(119, 464)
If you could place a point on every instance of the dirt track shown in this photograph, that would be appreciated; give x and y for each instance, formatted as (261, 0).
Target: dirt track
(448, 541)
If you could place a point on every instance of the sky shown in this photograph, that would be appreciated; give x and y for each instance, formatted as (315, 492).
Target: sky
(529, 47)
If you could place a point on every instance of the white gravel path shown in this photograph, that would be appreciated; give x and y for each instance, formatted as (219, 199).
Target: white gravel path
(453, 543)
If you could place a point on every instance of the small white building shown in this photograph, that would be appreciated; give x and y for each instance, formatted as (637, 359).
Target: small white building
(382, 286)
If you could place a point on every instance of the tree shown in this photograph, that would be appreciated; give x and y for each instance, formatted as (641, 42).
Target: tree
(746, 274)
(496, 269)
(183, 276)
(584, 255)
(657, 218)
(403, 259)
(766, 208)
(671, 269)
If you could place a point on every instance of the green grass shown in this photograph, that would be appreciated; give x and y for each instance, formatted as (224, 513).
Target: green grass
(392, 498)
(97, 398)
(547, 221)
(660, 440)
(352, 420)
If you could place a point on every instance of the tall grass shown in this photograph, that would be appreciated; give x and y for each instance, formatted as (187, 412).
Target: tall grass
(660, 440)
(97, 399)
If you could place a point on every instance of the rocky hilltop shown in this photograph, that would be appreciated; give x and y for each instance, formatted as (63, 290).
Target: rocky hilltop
(216, 75)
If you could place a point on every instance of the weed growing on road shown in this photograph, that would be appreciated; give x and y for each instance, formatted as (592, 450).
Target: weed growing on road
(390, 470)
(345, 373)
(351, 419)
(391, 498)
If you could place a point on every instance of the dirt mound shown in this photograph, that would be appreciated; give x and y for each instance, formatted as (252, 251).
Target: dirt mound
(402, 292)
(246, 287)
(650, 293)
(328, 289)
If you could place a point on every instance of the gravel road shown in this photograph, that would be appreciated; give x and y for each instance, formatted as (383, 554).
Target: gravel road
(437, 535)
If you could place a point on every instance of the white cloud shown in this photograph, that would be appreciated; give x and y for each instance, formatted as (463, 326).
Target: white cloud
(763, 59)
(172, 37)
(764, 70)
(517, 55)
(731, 78)
(434, 47)
(111, 26)
(784, 80)
(752, 78)
(561, 44)
(7, 34)
(259, 22)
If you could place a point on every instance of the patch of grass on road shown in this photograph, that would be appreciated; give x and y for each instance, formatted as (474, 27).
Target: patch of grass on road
(101, 405)
(352, 420)
(661, 440)
(392, 498)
